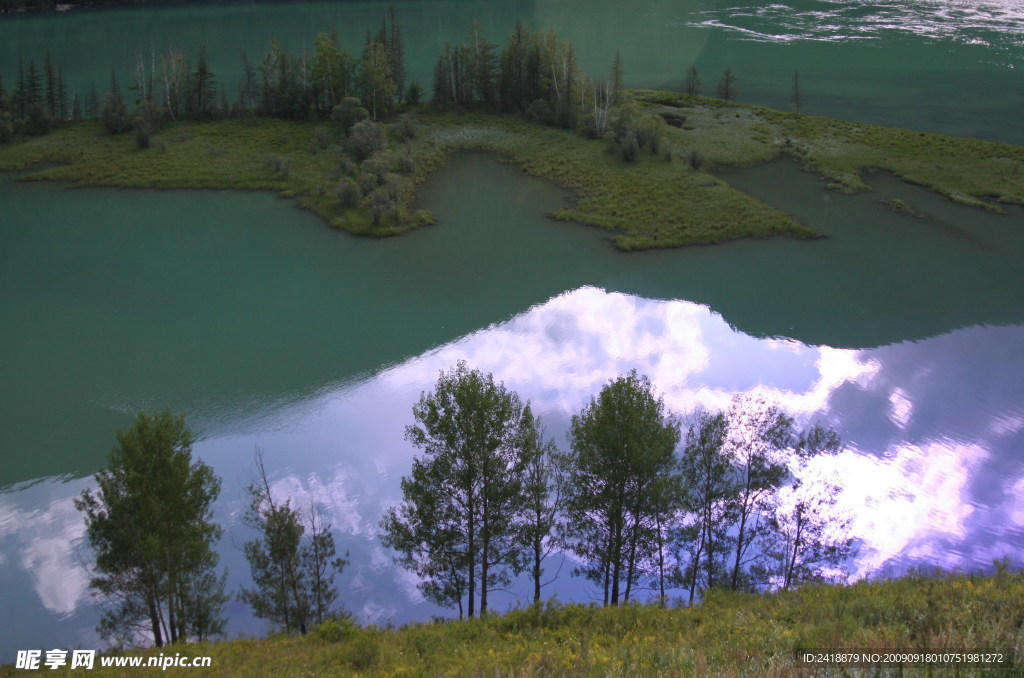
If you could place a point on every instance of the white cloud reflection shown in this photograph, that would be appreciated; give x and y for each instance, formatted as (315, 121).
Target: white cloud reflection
(910, 476)
(42, 533)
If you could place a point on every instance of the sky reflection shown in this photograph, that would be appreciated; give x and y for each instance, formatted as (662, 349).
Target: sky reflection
(931, 472)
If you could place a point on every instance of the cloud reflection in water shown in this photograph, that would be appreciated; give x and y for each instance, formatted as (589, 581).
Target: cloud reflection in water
(932, 471)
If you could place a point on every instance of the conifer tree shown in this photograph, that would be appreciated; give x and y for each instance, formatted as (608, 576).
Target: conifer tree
(795, 98)
(615, 79)
(727, 89)
(692, 84)
(396, 52)
(50, 84)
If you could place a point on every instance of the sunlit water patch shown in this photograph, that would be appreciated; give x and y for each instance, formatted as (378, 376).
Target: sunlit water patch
(995, 23)
(931, 470)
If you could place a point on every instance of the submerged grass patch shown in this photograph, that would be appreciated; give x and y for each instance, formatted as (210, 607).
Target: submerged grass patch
(728, 635)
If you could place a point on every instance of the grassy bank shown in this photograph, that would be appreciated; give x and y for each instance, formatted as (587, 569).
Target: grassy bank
(728, 635)
(663, 199)
(969, 171)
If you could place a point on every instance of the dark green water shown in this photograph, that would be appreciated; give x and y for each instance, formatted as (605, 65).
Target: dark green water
(267, 328)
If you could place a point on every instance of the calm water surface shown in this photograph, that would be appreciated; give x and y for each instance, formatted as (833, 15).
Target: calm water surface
(268, 329)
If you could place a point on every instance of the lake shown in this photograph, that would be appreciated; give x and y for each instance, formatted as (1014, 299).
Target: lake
(268, 329)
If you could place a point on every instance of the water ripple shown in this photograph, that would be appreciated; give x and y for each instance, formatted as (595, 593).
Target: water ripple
(991, 23)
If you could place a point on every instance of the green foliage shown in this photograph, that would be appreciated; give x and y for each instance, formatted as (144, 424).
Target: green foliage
(114, 114)
(456, 527)
(727, 90)
(728, 635)
(622, 484)
(149, 525)
(293, 564)
(348, 113)
(691, 86)
(366, 138)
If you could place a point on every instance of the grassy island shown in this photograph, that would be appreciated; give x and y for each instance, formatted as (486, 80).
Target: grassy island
(666, 198)
(728, 635)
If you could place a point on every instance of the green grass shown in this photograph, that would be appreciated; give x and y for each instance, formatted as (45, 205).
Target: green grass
(658, 201)
(969, 171)
(729, 635)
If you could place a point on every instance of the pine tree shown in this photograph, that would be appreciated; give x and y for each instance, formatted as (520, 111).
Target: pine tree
(396, 52)
(33, 92)
(92, 102)
(727, 86)
(795, 98)
(50, 80)
(204, 89)
(615, 79)
(62, 95)
(692, 84)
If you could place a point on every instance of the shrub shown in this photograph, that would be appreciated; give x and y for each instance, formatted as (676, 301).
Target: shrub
(406, 161)
(381, 204)
(279, 164)
(114, 114)
(406, 128)
(347, 192)
(366, 138)
(320, 140)
(142, 132)
(363, 651)
(349, 112)
(38, 121)
(6, 128)
(630, 146)
(378, 164)
(695, 158)
(368, 182)
(414, 93)
(336, 630)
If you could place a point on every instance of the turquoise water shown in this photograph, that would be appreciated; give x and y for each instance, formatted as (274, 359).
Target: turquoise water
(936, 65)
(267, 328)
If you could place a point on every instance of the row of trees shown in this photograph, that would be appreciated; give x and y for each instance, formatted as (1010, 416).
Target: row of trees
(150, 525)
(491, 498)
(535, 75)
(639, 504)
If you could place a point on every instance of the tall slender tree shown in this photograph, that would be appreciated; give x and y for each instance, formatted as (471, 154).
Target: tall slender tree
(759, 433)
(376, 88)
(293, 563)
(456, 525)
(708, 478)
(622, 483)
(727, 90)
(149, 523)
(203, 95)
(396, 52)
(691, 85)
(542, 489)
(615, 79)
(796, 97)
